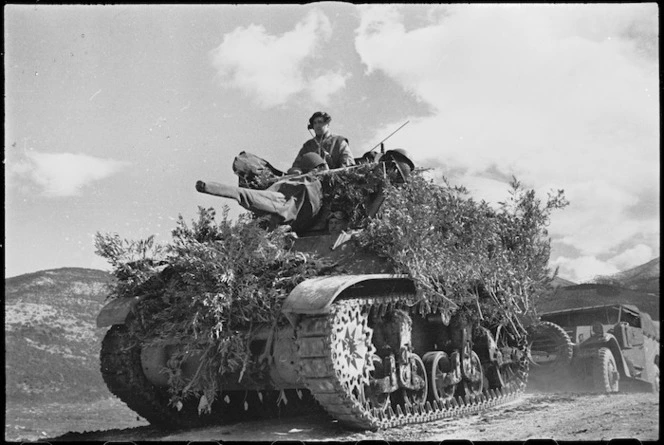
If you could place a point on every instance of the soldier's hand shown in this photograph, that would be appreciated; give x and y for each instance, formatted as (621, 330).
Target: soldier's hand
(200, 186)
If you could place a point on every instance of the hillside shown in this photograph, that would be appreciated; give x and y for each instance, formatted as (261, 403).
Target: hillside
(644, 277)
(561, 282)
(51, 339)
(598, 294)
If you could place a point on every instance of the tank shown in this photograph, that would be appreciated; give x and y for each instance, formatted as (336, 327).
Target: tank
(360, 344)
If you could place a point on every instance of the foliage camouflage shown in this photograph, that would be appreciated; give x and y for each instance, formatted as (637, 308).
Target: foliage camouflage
(464, 254)
(216, 282)
(208, 289)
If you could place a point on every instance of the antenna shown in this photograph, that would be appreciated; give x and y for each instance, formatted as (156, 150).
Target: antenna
(380, 144)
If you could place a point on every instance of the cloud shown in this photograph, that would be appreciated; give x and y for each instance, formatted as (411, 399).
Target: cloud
(61, 174)
(596, 219)
(633, 257)
(560, 96)
(323, 87)
(272, 69)
(583, 269)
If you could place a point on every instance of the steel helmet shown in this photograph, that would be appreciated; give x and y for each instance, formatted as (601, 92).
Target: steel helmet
(311, 161)
(398, 155)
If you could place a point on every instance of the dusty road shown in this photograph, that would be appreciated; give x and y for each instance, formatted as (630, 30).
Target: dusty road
(561, 416)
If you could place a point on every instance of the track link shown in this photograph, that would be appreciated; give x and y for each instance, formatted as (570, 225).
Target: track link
(336, 366)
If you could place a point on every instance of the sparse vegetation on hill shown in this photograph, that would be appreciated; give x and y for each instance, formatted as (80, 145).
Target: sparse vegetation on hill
(51, 340)
(43, 369)
(643, 278)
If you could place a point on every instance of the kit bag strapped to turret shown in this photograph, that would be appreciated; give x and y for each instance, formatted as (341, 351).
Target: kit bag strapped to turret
(250, 168)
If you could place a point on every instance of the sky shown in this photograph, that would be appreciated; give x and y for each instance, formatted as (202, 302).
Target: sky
(112, 113)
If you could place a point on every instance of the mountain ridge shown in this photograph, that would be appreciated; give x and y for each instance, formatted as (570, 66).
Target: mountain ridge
(643, 277)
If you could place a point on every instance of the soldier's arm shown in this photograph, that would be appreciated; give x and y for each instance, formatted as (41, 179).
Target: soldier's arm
(346, 156)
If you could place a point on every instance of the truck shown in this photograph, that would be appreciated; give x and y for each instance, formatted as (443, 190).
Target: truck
(602, 348)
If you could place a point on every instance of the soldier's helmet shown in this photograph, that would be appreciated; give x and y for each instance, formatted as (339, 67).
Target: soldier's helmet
(311, 161)
(400, 161)
(398, 155)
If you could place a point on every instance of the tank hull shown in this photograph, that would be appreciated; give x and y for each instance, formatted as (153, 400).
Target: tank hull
(365, 355)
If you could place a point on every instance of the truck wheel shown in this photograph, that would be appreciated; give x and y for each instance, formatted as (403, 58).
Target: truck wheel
(605, 372)
(551, 347)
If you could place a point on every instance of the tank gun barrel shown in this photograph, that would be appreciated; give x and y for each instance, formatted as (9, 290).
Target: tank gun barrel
(216, 189)
(294, 201)
(269, 201)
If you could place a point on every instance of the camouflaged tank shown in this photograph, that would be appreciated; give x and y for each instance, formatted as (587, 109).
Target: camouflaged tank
(354, 343)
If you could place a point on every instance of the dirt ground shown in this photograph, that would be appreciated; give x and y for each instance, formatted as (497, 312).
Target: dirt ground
(561, 416)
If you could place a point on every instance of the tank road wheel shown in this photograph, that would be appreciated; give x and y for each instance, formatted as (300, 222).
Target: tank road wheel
(604, 371)
(379, 400)
(501, 376)
(512, 369)
(415, 374)
(440, 371)
(473, 377)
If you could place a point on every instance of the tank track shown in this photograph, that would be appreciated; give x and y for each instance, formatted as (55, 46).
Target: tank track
(123, 374)
(333, 349)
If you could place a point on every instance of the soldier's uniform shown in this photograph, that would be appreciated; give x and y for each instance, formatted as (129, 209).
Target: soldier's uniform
(333, 148)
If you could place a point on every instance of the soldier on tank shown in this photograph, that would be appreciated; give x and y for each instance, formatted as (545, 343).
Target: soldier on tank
(337, 222)
(332, 148)
(398, 160)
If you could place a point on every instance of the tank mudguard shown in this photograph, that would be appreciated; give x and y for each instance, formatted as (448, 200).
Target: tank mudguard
(116, 311)
(588, 347)
(316, 295)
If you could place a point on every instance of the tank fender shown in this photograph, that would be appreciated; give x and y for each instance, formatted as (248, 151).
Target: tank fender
(588, 347)
(316, 295)
(116, 311)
